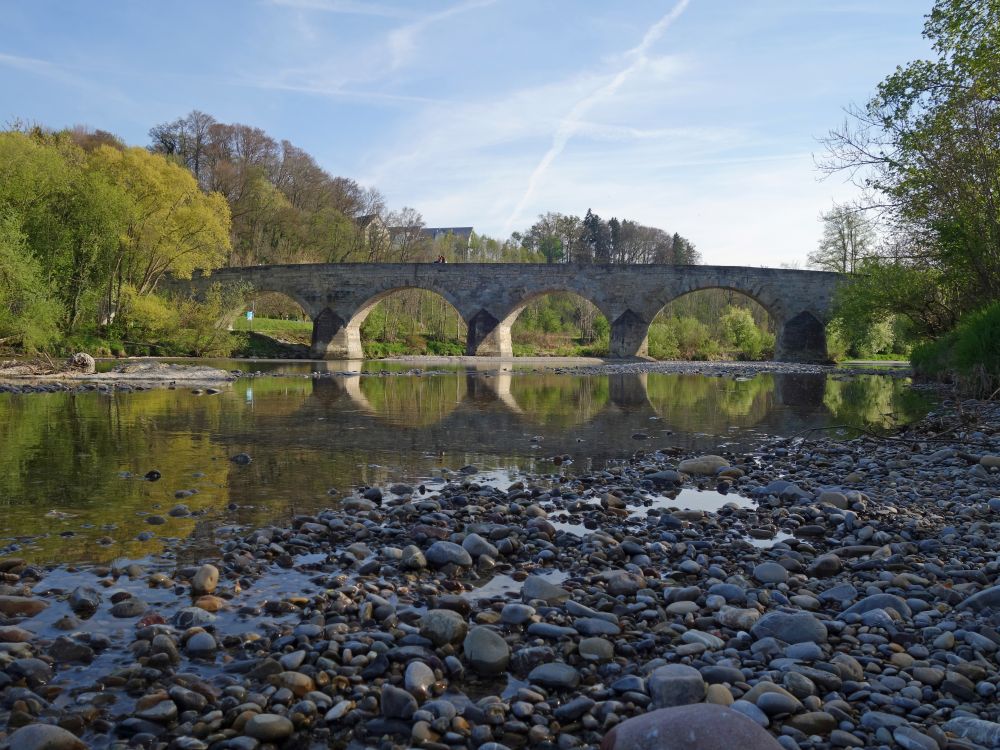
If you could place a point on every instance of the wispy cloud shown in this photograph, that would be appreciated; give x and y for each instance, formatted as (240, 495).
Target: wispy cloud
(639, 57)
(64, 74)
(345, 7)
(34, 65)
(403, 41)
(339, 75)
(337, 91)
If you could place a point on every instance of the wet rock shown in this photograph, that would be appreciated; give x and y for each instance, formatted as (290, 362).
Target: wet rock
(12, 606)
(201, 644)
(130, 607)
(84, 600)
(418, 678)
(703, 726)
(164, 711)
(14, 634)
(205, 579)
(65, 649)
(536, 587)
(242, 459)
(664, 479)
(707, 465)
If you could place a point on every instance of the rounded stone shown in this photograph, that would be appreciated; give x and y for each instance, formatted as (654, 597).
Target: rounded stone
(676, 685)
(44, 737)
(790, 627)
(536, 587)
(476, 546)
(707, 465)
(770, 572)
(555, 674)
(269, 728)
(205, 580)
(515, 613)
(201, 644)
(443, 626)
(704, 726)
(596, 649)
(486, 651)
(444, 553)
(418, 678)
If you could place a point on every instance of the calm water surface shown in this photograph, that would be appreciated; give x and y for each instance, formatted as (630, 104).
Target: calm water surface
(71, 465)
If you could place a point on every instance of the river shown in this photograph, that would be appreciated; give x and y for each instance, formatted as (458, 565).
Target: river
(73, 466)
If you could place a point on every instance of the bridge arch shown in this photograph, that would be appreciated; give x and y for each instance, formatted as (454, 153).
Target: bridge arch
(689, 325)
(494, 337)
(341, 334)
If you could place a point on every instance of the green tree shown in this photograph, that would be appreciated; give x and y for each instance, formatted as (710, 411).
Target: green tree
(29, 315)
(925, 149)
(551, 248)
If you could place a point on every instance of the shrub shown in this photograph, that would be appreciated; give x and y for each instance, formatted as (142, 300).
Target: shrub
(662, 342)
(970, 354)
(694, 339)
(740, 332)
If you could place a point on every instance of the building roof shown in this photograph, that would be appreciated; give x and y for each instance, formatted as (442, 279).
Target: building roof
(435, 232)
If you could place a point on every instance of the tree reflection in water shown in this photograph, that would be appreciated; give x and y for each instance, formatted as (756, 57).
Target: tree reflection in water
(79, 455)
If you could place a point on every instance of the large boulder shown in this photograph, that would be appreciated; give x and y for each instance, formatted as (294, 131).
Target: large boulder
(44, 737)
(709, 465)
(704, 726)
(83, 363)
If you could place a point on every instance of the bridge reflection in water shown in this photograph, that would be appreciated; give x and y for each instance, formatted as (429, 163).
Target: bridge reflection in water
(492, 412)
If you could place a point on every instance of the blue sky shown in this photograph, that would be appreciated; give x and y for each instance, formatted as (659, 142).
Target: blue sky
(697, 116)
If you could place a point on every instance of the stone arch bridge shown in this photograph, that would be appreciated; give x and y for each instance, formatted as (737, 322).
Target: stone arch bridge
(490, 296)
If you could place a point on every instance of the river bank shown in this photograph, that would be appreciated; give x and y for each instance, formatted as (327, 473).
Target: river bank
(141, 373)
(837, 593)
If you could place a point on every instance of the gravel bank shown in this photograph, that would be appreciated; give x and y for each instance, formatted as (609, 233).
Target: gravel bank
(811, 594)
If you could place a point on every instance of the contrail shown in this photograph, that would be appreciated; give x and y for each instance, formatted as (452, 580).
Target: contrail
(570, 123)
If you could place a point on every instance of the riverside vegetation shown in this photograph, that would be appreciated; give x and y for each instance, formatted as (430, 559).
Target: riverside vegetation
(924, 151)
